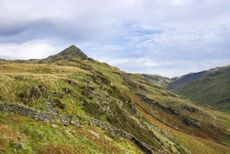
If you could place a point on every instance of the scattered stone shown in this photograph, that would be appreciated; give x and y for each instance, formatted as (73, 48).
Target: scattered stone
(58, 103)
(33, 94)
(42, 89)
(67, 90)
(51, 107)
(132, 106)
(87, 91)
(48, 117)
(190, 109)
(75, 123)
(71, 82)
(81, 103)
(46, 120)
(43, 116)
(65, 121)
(106, 126)
(58, 95)
(19, 78)
(214, 126)
(54, 126)
(147, 100)
(17, 146)
(100, 78)
(192, 123)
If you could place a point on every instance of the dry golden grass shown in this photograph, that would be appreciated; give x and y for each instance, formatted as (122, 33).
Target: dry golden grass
(60, 149)
(8, 133)
(38, 68)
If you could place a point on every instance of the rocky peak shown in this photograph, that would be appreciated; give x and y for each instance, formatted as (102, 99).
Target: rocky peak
(71, 52)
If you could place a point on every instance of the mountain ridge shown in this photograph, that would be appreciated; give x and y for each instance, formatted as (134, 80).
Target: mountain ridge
(74, 86)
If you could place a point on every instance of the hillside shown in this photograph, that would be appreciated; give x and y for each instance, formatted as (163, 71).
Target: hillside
(70, 103)
(211, 87)
(157, 79)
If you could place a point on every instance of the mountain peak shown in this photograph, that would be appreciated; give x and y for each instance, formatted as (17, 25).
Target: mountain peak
(72, 51)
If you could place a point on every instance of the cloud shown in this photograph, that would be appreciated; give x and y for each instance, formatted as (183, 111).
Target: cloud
(156, 35)
(27, 50)
(170, 68)
(177, 2)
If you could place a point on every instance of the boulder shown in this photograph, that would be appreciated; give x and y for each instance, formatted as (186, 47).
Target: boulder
(71, 82)
(192, 123)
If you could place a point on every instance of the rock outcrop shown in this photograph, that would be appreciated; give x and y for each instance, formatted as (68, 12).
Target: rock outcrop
(74, 121)
(106, 126)
(42, 116)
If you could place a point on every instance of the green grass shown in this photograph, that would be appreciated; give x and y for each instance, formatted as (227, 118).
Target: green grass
(105, 93)
(37, 137)
(211, 89)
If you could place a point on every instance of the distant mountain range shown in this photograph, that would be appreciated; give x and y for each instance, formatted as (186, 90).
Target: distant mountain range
(211, 87)
(72, 104)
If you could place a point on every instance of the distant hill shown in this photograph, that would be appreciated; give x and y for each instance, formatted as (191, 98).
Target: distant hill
(157, 79)
(211, 87)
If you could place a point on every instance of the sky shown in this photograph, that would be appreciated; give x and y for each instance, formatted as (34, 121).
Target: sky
(165, 37)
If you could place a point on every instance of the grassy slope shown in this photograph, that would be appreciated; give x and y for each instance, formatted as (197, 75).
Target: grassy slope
(212, 89)
(115, 102)
(40, 137)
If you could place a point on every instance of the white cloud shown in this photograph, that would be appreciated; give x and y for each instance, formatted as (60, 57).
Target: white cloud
(28, 50)
(131, 30)
(170, 68)
(132, 62)
(178, 2)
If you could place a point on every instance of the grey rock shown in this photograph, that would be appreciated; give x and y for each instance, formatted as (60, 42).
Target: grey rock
(192, 123)
(42, 116)
(71, 82)
(75, 123)
(67, 90)
(17, 146)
